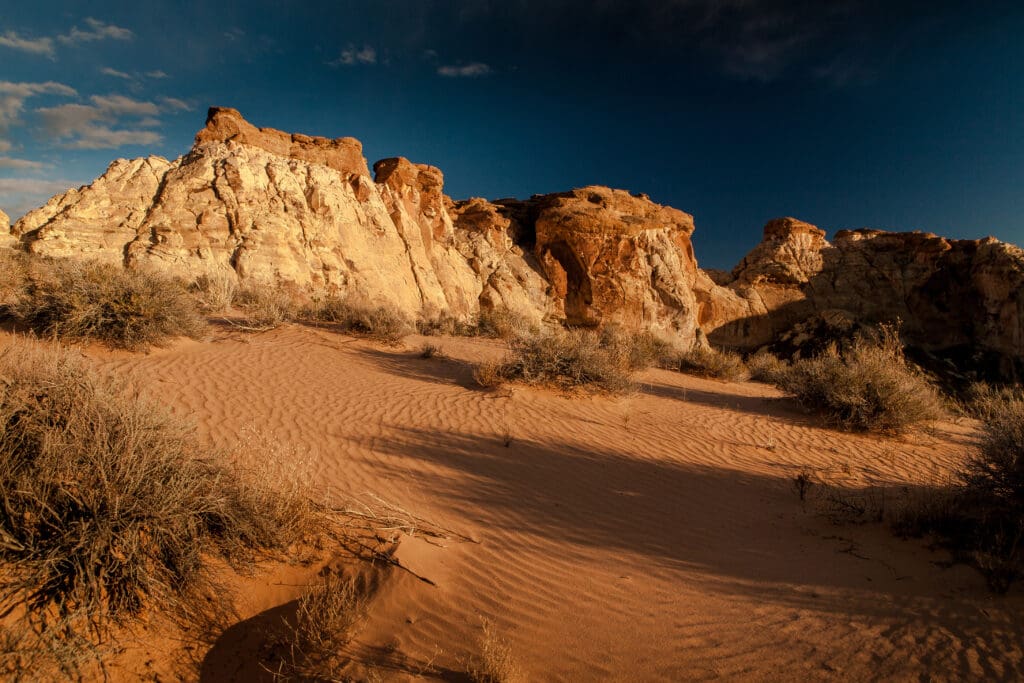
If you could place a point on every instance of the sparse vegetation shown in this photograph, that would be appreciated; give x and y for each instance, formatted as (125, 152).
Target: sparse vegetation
(124, 308)
(867, 386)
(312, 645)
(383, 322)
(563, 358)
(13, 272)
(215, 290)
(495, 662)
(640, 349)
(766, 367)
(711, 362)
(109, 507)
(265, 307)
(501, 323)
(428, 351)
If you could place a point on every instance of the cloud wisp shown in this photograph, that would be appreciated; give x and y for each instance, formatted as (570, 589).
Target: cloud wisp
(95, 30)
(352, 56)
(19, 195)
(36, 46)
(13, 96)
(472, 70)
(101, 124)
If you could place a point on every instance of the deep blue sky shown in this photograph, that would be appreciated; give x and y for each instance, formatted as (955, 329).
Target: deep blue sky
(845, 114)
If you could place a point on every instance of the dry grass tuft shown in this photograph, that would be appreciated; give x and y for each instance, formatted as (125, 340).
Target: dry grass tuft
(313, 643)
(109, 507)
(215, 291)
(266, 307)
(13, 273)
(766, 367)
(131, 309)
(495, 663)
(385, 323)
(567, 359)
(428, 351)
(502, 323)
(710, 362)
(868, 386)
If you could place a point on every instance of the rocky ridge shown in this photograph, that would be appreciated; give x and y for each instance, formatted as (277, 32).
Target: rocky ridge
(304, 212)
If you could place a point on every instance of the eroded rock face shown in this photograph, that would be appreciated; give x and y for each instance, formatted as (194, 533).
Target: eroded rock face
(947, 294)
(303, 211)
(7, 240)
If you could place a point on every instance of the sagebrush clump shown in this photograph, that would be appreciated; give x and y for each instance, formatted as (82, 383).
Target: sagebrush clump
(867, 386)
(383, 322)
(109, 506)
(124, 308)
(711, 362)
(265, 307)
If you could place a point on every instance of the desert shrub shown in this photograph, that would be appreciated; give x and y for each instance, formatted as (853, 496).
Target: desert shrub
(640, 349)
(868, 386)
(312, 644)
(495, 662)
(215, 291)
(431, 351)
(265, 307)
(445, 325)
(766, 367)
(386, 323)
(109, 506)
(131, 309)
(711, 362)
(564, 358)
(502, 323)
(13, 273)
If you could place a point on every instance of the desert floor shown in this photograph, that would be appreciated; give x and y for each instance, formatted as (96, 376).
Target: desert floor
(656, 536)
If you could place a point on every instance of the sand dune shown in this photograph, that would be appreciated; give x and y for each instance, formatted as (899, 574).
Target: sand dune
(651, 537)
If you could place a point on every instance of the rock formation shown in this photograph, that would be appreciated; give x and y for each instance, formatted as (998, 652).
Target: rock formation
(305, 213)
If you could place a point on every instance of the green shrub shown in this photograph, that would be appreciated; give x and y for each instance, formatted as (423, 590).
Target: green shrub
(109, 506)
(868, 386)
(131, 309)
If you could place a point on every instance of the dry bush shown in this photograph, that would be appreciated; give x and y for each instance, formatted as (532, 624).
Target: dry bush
(13, 274)
(431, 351)
(131, 309)
(215, 291)
(445, 324)
(385, 323)
(564, 358)
(710, 362)
(495, 662)
(868, 386)
(502, 323)
(640, 349)
(488, 374)
(266, 307)
(109, 507)
(313, 643)
(766, 367)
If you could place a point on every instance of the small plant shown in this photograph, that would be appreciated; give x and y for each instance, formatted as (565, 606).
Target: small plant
(215, 291)
(502, 323)
(495, 663)
(710, 362)
(428, 351)
(868, 386)
(564, 358)
(445, 325)
(312, 646)
(766, 367)
(640, 349)
(385, 323)
(131, 309)
(265, 307)
(13, 273)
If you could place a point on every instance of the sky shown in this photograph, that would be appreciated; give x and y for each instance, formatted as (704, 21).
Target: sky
(846, 114)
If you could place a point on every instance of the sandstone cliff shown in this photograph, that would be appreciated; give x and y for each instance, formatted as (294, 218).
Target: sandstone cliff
(304, 212)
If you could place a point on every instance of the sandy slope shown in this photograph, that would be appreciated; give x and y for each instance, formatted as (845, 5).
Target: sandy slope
(652, 537)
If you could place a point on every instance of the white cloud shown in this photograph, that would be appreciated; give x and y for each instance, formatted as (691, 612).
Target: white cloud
(19, 195)
(233, 34)
(156, 74)
(37, 46)
(97, 30)
(473, 70)
(175, 104)
(21, 164)
(101, 124)
(351, 56)
(107, 71)
(5, 146)
(13, 96)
